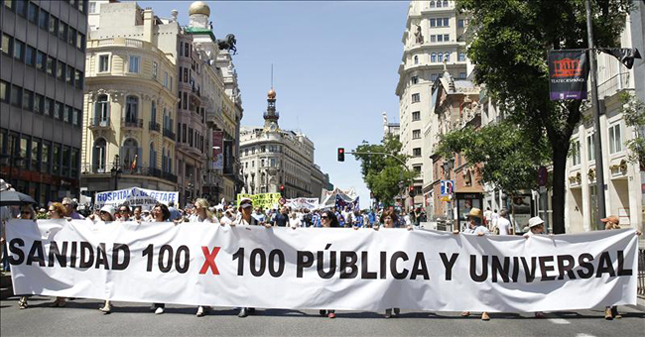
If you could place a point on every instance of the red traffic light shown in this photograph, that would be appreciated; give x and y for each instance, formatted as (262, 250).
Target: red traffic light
(411, 188)
(341, 154)
(281, 187)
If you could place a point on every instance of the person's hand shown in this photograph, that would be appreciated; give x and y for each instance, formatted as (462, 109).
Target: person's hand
(267, 225)
(376, 228)
(410, 227)
(480, 234)
(355, 228)
(638, 232)
(456, 232)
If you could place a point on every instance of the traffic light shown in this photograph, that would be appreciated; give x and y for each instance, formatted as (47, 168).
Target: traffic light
(341, 154)
(281, 189)
(411, 191)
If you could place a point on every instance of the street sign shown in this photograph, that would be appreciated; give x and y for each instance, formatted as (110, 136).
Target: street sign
(543, 176)
(445, 198)
(447, 187)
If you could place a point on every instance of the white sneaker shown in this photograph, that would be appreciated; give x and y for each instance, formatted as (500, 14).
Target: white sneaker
(200, 311)
(159, 311)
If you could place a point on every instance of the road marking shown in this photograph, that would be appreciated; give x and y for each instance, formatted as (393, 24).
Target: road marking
(584, 335)
(559, 321)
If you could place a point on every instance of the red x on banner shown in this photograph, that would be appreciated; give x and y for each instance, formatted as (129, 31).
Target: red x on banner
(210, 260)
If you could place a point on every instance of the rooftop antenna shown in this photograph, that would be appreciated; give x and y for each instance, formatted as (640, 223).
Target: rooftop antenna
(271, 75)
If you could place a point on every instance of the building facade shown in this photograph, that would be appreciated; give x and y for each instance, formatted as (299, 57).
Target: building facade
(41, 96)
(434, 36)
(279, 161)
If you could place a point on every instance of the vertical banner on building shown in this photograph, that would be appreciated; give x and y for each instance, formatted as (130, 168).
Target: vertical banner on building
(568, 71)
(218, 157)
(228, 157)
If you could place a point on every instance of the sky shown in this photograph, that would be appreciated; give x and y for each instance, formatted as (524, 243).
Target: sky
(335, 69)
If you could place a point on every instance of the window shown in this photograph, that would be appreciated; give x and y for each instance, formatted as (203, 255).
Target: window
(433, 38)
(59, 71)
(417, 169)
(43, 19)
(462, 75)
(439, 57)
(416, 152)
(439, 38)
(48, 107)
(6, 44)
(78, 79)
(416, 98)
(53, 25)
(58, 110)
(4, 92)
(41, 60)
(615, 142)
(416, 59)
(74, 161)
(460, 23)
(44, 157)
(92, 7)
(131, 109)
(433, 77)
(415, 79)
(38, 103)
(155, 67)
(446, 37)
(18, 50)
(27, 100)
(21, 7)
(446, 22)
(432, 4)
(165, 79)
(69, 75)
(30, 55)
(433, 22)
(133, 64)
(104, 63)
(71, 36)
(65, 161)
(56, 158)
(62, 30)
(32, 13)
(416, 116)
(433, 57)
(461, 57)
(575, 149)
(67, 115)
(16, 96)
(416, 134)
(80, 41)
(447, 56)
(35, 154)
(591, 153)
(101, 110)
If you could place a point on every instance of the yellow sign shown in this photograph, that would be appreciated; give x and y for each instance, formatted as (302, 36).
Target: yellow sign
(264, 200)
(446, 198)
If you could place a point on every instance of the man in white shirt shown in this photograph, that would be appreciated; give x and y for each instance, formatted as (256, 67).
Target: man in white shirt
(488, 214)
(504, 225)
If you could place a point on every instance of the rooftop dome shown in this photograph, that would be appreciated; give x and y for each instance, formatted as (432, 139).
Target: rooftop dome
(271, 94)
(199, 7)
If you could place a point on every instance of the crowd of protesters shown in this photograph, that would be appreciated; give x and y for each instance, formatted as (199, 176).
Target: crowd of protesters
(247, 215)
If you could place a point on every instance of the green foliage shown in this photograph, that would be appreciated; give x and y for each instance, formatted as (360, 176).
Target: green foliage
(384, 174)
(509, 159)
(633, 111)
(510, 49)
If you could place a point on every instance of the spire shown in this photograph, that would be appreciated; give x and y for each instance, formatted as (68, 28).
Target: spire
(271, 116)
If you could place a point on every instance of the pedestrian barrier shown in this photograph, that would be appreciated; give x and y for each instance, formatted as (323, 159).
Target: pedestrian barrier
(641, 271)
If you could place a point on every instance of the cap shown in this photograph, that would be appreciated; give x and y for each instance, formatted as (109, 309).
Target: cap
(109, 209)
(245, 203)
(611, 218)
(475, 212)
(535, 221)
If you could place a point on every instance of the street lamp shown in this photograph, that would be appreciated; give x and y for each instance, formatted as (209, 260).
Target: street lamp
(448, 164)
(115, 172)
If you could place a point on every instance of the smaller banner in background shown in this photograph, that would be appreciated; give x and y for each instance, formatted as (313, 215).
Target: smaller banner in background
(568, 69)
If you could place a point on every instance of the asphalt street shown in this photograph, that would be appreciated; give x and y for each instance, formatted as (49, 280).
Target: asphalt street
(81, 318)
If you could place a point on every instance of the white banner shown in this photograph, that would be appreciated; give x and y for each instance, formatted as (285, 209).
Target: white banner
(311, 268)
(300, 203)
(135, 196)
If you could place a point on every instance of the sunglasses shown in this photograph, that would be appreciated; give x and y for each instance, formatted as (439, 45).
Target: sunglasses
(123, 211)
(324, 217)
(104, 212)
(25, 212)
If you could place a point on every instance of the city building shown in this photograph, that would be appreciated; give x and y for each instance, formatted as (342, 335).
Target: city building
(638, 41)
(279, 161)
(41, 96)
(434, 37)
(623, 178)
(390, 129)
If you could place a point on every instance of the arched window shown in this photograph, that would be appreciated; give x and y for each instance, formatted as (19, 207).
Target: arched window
(433, 57)
(416, 59)
(432, 4)
(447, 56)
(440, 57)
(101, 110)
(163, 160)
(131, 109)
(98, 155)
(153, 156)
(153, 112)
(130, 154)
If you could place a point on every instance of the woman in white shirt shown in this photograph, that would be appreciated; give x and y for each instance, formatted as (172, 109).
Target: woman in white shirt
(202, 214)
(294, 220)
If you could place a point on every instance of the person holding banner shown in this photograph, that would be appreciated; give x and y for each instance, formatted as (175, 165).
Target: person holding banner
(124, 213)
(160, 213)
(202, 212)
(57, 211)
(328, 220)
(27, 212)
(475, 226)
(106, 215)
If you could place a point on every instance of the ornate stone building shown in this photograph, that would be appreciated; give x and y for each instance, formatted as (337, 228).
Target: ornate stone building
(276, 160)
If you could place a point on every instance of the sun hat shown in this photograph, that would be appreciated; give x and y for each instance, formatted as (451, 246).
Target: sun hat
(475, 212)
(109, 209)
(245, 203)
(535, 221)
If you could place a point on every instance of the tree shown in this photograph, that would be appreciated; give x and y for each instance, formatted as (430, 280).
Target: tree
(633, 111)
(509, 50)
(504, 156)
(384, 175)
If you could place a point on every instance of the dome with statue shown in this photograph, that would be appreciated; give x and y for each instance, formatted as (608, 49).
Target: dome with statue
(199, 7)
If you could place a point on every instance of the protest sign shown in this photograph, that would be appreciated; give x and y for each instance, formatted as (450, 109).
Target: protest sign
(264, 200)
(252, 266)
(135, 196)
(300, 203)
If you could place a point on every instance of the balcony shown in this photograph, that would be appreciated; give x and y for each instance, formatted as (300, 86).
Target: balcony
(132, 123)
(152, 126)
(90, 169)
(97, 124)
(277, 114)
(168, 134)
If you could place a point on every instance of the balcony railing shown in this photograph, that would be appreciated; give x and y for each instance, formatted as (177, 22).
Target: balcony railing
(89, 169)
(169, 134)
(152, 126)
(133, 123)
(99, 124)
